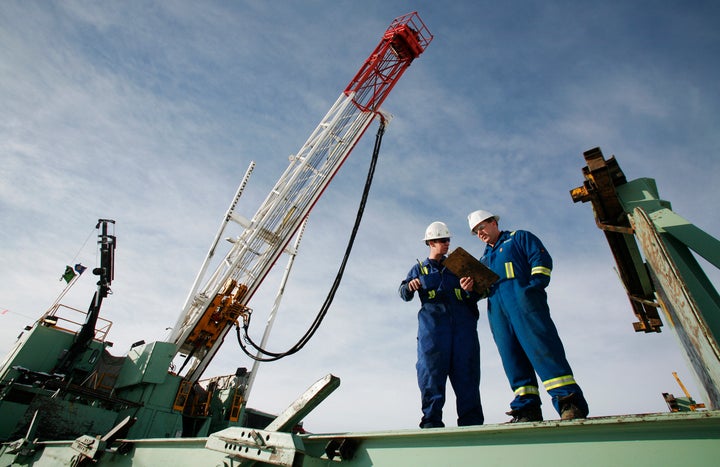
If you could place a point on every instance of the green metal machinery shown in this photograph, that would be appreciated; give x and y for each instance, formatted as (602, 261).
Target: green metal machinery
(666, 275)
(651, 245)
(66, 400)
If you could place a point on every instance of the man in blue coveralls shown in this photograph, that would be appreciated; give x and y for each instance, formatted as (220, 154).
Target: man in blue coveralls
(520, 321)
(447, 340)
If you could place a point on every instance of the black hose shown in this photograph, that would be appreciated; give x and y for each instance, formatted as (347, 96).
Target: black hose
(272, 356)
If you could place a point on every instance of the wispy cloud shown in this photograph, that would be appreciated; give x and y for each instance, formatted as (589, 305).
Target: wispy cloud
(149, 113)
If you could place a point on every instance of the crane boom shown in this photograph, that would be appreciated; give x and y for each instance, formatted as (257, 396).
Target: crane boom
(211, 311)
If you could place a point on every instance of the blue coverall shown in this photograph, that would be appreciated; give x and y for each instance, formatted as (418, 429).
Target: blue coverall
(520, 321)
(447, 344)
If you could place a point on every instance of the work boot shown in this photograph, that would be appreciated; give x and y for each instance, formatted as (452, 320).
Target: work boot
(432, 425)
(569, 410)
(527, 414)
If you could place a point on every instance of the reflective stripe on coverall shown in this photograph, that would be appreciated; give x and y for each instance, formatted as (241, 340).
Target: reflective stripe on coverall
(447, 344)
(520, 321)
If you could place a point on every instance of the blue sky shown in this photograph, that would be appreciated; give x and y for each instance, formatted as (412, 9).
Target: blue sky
(150, 112)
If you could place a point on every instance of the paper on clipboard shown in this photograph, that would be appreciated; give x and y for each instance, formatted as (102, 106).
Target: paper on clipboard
(463, 264)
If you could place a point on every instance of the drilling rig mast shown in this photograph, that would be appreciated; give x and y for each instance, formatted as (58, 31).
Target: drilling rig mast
(215, 306)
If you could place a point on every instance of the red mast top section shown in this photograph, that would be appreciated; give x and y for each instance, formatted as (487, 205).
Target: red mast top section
(405, 39)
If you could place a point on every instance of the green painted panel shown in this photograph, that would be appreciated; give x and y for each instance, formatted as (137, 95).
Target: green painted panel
(12, 413)
(147, 363)
(663, 439)
(40, 350)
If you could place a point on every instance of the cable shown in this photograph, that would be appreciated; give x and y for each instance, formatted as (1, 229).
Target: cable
(272, 356)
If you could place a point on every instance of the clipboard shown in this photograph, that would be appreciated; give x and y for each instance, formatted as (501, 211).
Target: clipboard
(463, 264)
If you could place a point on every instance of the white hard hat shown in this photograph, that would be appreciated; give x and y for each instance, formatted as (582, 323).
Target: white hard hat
(476, 217)
(436, 230)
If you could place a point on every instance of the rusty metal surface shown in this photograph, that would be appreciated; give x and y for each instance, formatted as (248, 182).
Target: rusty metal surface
(698, 340)
(599, 188)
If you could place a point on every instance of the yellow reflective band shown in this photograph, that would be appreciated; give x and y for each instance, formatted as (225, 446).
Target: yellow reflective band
(458, 294)
(540, 270)
(431, 294)
(526, 390)
(509, 271)
(423, 270)
(559, 381)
